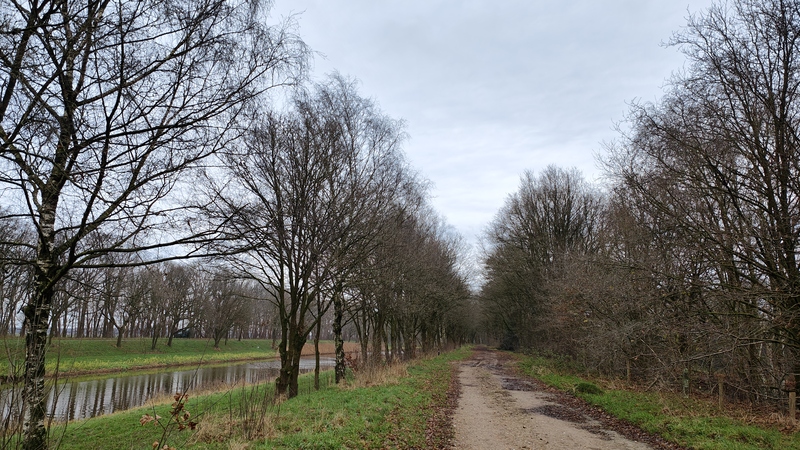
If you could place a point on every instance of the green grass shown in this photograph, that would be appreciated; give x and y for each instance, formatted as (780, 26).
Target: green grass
(392, 414)
(77, 356)
(691, 422)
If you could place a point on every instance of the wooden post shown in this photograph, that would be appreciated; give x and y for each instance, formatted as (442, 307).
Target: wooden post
(685, 382)
(628, 370)
(721, 388)
(791, 386)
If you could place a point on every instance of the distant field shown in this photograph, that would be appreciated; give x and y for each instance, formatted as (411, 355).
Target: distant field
(81, 356)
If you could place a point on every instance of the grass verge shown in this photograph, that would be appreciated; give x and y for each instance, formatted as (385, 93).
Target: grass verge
(691, 422)
(390, 408)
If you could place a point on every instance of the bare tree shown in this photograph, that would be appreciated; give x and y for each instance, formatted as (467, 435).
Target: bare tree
(171, 295)
(105, 106)
(408, 287)
(122, 305)
(285, 176)
(310, 182)
(716, 163)
(552, 215)
(377, 187)
(224, 301)
(15, 277)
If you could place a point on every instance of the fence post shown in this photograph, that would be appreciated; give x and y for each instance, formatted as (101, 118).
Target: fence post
(628, 370)
(791, 386)
(685, 382)
(721, 385)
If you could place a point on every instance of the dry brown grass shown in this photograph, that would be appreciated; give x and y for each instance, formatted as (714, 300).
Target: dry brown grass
(327, 348)
(223, 428)
(161, 399)
(378, 374)
(213, 428)
(237, 445)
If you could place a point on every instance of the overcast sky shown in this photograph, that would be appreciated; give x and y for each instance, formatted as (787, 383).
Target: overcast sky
(489, 89)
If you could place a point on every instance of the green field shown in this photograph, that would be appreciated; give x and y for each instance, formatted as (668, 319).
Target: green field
(81, 356)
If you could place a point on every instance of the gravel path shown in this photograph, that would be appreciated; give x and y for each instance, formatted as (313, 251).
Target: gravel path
(499, 410)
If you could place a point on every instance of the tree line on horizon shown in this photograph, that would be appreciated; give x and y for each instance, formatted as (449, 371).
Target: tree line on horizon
(682, 269)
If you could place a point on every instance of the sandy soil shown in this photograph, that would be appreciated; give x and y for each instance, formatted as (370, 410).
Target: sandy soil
(498, 410)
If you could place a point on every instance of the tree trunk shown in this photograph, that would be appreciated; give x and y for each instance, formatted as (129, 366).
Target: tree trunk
(155, 338)
(387, 352)
(290, 364)
(338, 317)
(108, 328)
(83, 319)
(426, 346)
(396, 345)
(363, 337)
(316, 351)
(217, 339)
(409, 344)
(377, 338)
(37, 317)
(293, 338)
(120, 332)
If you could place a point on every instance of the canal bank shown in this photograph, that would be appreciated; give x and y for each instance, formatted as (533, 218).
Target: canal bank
(91, 377)
(394, 407)
(87, 397)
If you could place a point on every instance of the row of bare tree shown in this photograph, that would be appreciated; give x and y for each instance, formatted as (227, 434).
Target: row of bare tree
(154, 301)
(685, 267)
(318, 207)
(142, 132)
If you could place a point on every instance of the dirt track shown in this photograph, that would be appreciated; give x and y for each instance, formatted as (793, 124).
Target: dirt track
(498, 410)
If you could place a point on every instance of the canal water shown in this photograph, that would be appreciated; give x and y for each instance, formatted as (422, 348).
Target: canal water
(72, 400)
